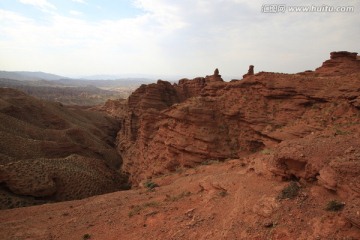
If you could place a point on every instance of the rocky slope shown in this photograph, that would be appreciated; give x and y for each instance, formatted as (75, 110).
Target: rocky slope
(40, 139)
(272, 156)
(237, 199)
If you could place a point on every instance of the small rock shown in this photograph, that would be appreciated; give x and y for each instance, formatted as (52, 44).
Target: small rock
(268, 224)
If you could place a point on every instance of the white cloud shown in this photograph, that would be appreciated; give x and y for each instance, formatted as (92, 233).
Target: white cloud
(232, 34)
(79, 1)
(42, 4)
(12, 17)
(70, 45)
(178, 37)
(75, 13)
(167, 14)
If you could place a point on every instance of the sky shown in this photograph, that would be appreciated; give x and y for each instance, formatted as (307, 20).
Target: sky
(184, 38)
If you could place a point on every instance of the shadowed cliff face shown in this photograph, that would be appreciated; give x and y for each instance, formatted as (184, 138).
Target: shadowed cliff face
(170, 126)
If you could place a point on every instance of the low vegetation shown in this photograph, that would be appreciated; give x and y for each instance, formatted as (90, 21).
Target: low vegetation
(177, 197)
(223, 193)
(334, 206)
(210, 162)
(290, 191)
(86, 236)
(265, 151)
(150, 185)
(138, 208)
(340, 132)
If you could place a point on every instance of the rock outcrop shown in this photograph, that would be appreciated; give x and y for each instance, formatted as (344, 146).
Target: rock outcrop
(169, 126)
(250, 71)
(330, 157)
(307, 118)
(216, 77)
(340, 63)
(144, 113)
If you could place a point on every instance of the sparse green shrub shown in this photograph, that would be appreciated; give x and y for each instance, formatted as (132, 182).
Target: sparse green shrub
(289, 191)
(86, 236)
(223, 127)
(150, 184)
(334, 206)
(223, 193)
(278, 126)
(266, 151)
(340, 132)
(210, 162)
(177, 197)
(138, 208)
(151, 204)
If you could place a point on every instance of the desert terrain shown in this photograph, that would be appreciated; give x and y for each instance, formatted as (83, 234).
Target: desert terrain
(69, 91)
(268, 156)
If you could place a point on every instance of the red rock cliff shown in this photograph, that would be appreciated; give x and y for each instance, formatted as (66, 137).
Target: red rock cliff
(171, 126)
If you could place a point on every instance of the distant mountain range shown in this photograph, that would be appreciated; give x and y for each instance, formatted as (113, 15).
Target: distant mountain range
(125, 78)
(29, 76)
(109, 79)
(70, 91)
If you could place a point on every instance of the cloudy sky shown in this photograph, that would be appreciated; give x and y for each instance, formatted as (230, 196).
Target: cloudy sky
(186, 38)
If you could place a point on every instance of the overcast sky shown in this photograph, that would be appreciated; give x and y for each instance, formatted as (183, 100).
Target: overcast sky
(185, 38)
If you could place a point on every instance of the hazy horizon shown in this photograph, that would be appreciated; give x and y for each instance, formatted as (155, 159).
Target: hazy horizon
(170, 38)
(120, 76)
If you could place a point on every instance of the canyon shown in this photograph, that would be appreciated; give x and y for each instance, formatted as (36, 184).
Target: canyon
(256, 158)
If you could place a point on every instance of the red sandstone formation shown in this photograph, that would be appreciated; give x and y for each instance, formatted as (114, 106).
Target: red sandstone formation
(330, 157)
(222, 120)
(216, 77)
(221, 155)
(340, 63)
(250, 71)
(144, 115)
